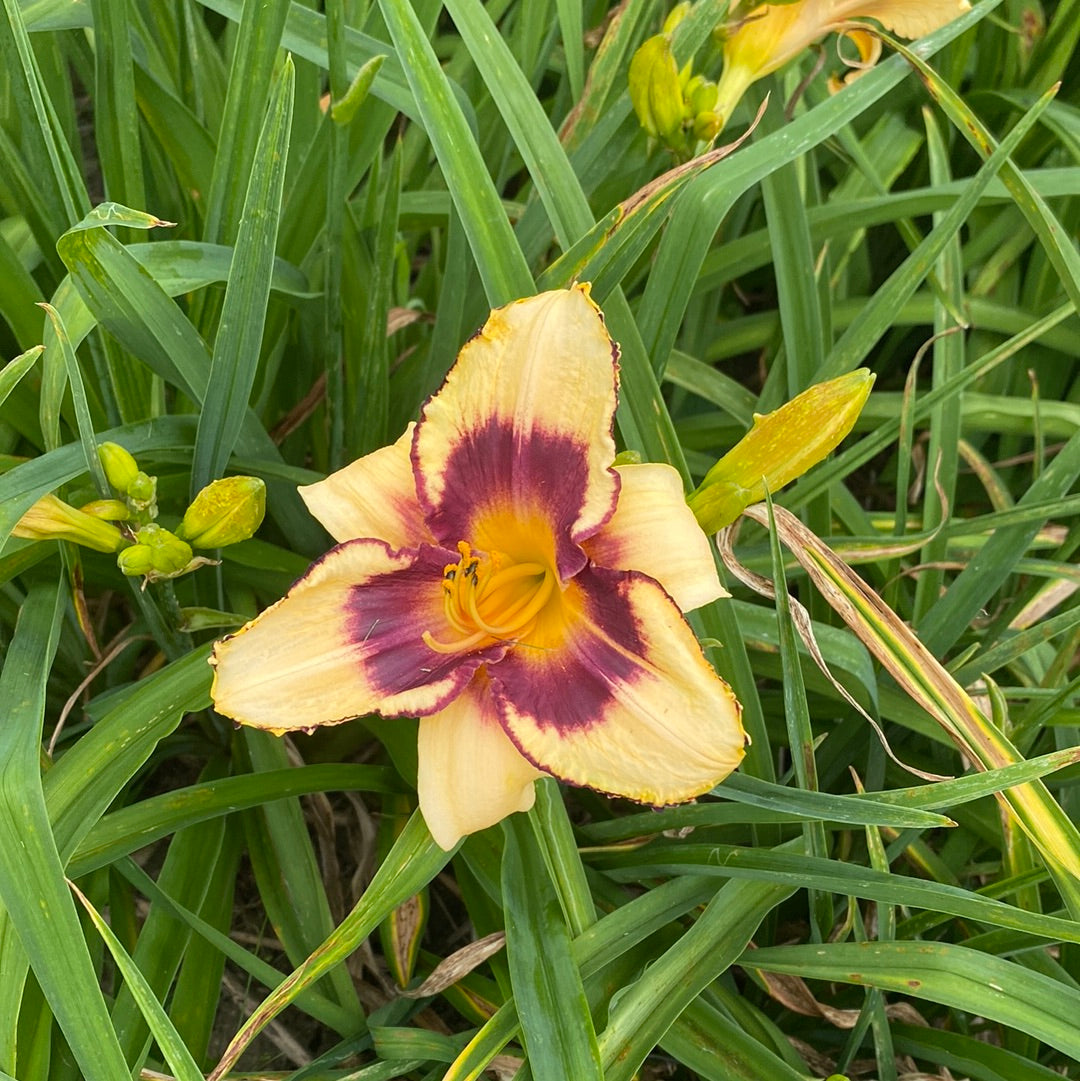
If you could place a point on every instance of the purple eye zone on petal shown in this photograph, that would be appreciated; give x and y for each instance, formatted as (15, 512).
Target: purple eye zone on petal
(573, 689)
(386, 627)
(533, 472)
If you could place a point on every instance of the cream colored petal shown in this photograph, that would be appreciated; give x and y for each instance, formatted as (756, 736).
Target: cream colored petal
(619, 697)
(470, 775)
(522, 427)
(655, 532)
(345, 641)
(373, 497)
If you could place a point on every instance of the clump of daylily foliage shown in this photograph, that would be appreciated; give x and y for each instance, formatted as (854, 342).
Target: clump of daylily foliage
(225, 512)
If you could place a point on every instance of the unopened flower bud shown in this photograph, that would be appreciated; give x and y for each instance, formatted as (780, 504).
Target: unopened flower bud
(169, 555)
(142, 498)
(224, 512)
(110, 510)
(143, 489)
(781, 446)
(656, 90)
(706, 127)
(702, 97)
(121, 469)
(136, 561)
(51, 518)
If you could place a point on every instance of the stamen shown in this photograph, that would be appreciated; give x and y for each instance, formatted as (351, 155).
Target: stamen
(452, 647)
(485, 600)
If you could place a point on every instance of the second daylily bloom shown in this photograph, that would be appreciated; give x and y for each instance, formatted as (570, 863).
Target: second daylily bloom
(765, 39)
(498, 578)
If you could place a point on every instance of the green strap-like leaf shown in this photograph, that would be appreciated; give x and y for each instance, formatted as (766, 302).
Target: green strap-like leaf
(243, 316)
(502, 267)
(955, 976)
(33, 890)
(551, 1003)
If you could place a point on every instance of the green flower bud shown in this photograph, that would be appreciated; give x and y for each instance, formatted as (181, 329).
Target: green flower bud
(51, 518)
(780, 447)
(224, 512)
(120, 467)
(706, 127)
(142, 491)
(703, 97)
(169, 555)
(656, 90)
(136, 560)
(111, 510)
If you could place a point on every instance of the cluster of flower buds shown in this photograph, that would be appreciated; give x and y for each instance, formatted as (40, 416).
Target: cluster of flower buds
(224, 512)
(674, 106)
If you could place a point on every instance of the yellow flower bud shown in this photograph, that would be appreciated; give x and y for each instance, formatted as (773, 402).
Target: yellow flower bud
(656, 91)
(51, 518)
(706, 127)
(121, 469)
(781, 446)
(224, 512)
(111, 510)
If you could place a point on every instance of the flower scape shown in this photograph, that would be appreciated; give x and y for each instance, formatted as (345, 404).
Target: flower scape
(499, 578)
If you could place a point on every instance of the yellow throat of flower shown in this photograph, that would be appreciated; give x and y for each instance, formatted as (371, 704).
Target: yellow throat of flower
(490, 597)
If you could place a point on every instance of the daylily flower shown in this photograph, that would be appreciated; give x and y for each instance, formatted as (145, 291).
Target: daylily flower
(766, 38)
(499, 579)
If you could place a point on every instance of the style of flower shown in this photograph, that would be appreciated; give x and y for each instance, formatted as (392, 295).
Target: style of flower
(497, 577)
(766, 38)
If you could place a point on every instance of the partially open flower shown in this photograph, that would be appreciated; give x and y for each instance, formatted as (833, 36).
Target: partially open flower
(498, 578)
(765, 39)
(50, 518)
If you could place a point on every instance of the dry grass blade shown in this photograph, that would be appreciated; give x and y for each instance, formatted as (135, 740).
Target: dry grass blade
(458, 964)
(924, 678)
(805, 629)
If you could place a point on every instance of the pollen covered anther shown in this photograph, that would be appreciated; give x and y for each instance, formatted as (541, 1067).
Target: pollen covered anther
(488, 597)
